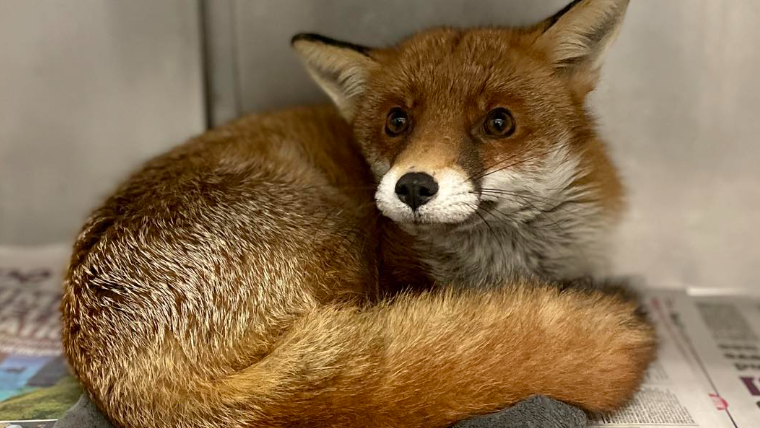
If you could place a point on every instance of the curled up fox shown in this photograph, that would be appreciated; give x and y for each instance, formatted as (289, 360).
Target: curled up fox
(391, 261)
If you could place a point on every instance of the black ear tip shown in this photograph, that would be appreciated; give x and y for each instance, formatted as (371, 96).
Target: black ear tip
(318, 38)
(309, 37)
(562, 12)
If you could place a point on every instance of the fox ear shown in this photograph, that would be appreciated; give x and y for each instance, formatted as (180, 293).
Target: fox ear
(340, 68)
(577, 37)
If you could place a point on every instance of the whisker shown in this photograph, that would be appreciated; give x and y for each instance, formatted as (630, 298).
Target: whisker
(505, 219)
(551, 220)
(536, 198)
(552, 200)
(497, 236)
(339, 187)
(490, 170)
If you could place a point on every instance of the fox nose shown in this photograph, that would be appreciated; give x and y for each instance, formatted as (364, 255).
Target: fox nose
(416, 189)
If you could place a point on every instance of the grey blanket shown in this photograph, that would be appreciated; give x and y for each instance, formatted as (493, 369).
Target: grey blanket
(537, 412)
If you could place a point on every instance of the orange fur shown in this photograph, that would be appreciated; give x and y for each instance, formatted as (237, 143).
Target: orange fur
(246, 277)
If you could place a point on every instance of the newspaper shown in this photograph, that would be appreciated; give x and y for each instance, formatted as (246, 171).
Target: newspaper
(707, 374)
(723, 333)
(708, 369)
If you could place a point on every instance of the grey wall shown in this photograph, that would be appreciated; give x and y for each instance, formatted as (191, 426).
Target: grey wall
(88, 89)
(679, 103)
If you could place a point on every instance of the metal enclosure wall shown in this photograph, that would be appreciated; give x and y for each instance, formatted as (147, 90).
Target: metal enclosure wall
(88, 90)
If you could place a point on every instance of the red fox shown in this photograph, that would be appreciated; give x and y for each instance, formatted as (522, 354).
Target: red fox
(360, 265)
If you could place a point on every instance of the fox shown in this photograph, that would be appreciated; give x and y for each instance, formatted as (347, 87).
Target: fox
(395, 259)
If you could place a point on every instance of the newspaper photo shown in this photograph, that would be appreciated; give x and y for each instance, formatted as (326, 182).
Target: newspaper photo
(35, 386)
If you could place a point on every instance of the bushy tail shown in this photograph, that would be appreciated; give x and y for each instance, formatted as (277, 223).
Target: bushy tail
(419, 361)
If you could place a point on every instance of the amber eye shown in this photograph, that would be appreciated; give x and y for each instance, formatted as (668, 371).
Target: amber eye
(397, 122)
(499, 123)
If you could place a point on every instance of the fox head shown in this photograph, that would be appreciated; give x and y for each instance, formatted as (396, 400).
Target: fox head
(465, 125)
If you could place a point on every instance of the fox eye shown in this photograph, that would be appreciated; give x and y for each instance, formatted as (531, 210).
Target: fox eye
(499, 123)
(397, 122)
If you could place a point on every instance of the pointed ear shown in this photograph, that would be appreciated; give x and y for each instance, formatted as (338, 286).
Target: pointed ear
(340, 68)
(577, 37)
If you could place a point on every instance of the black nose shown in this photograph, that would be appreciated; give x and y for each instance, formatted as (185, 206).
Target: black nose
(416, 189)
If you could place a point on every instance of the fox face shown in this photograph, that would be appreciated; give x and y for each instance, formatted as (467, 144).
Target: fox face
(484, 129)
(460, 121)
